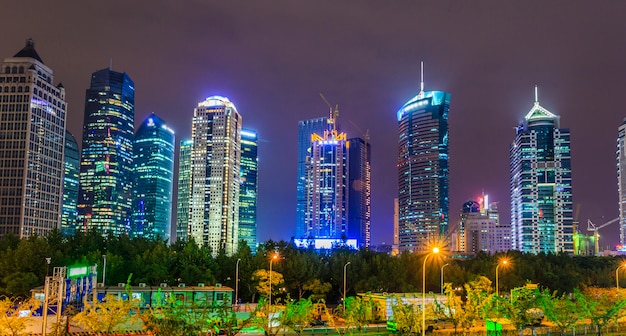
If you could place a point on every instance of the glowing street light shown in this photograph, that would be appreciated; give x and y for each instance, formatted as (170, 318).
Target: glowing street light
(617, 275)
(503, 262)
(274, 257)
(434, 251)
(442, 267)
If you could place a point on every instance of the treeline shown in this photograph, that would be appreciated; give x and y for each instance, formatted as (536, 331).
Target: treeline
(305, 272)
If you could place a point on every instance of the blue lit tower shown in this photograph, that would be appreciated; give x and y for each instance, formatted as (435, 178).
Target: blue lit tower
(306, 128)
(215, 175)
(106, 168)
(184, 189)
(541, 184)
(359, 190)
(326, 167)
(154, 173)
(70, 185)
(249, 188)
(32, 133)
(423, 176)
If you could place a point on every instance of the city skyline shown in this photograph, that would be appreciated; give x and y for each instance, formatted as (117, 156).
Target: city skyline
(275, 58)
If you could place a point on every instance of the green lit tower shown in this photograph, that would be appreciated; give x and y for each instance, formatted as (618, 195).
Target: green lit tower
(541, 184)
(106, 167)
(423, 174)
(184, 189)
(249, 188)
(154, 173)
(70, 185)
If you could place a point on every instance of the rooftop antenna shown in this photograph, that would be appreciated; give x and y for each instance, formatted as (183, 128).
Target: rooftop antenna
(333, 115)
(536, 94)
(422, 77)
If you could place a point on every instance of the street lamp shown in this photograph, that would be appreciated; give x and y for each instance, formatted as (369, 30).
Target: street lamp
(274, 257)
(104, 270)
(617, 275)
(434, 251)
(48, 260)
(237, 281)
(344, 284)
(442, 277)
(503, 262)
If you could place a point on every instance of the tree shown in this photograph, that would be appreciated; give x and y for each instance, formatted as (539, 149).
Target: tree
(406, 316)
(603, 306)
(111, 314)
(564, 310)
(360, 311)
(450, 309)
(317, 288)
(479, 294)
(11, 321)
(298, 315)
(521, 309)
(263, 278)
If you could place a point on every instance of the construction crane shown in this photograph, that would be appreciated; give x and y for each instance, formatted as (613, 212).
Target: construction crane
(594, 228)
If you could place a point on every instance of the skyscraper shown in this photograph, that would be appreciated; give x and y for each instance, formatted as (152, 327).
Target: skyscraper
(306, 128)
(32, 141)
(359, 193)
(184, 189)
(326, 181)
(106, 169)
(480, 230)
(621, 180)
(249, 188)
(541, 184)
(215, 174)
(70, 185)
(423, 176)
(154, 173)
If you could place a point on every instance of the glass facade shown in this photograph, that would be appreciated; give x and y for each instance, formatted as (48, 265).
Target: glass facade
(621, 181)
(184, 189)
(32, 142)
(154, 173)
(215, 175)
(249, 188)
(70, 185)
(423, 174)
(106, 169)
(306, 128)
(359, 191)
(541, 185)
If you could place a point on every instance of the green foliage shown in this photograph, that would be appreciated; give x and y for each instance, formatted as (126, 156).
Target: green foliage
(407, 317)
(298, 315)
(11, 323)
(360, 311)
(566, 310)
(451, 309)
(603, 306)
(317, 289)
(110, 315)
(262, 277)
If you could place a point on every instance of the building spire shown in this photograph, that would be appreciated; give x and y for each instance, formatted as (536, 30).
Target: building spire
(421, 77)
(536, 94)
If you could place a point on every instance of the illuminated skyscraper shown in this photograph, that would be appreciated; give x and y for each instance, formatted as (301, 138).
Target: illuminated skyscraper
(70, 185)
(184, 189)
(249, 188)
(306, 128)
(154, 173)
(106, 168)
(480, 230)
(541, 184)
(215, 175)
(621, 180)
(423, 175)
(32, 141)
(359, 193)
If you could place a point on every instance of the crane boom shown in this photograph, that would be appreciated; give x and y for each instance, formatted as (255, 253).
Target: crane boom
(593, 227)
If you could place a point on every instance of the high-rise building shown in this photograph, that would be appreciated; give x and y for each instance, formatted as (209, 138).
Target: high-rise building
(359, 193)
(70, 185)
(541, 184)
(480, 230)
(32, 141)
(249, 188)
(106, 167)
(215, 175)
(423, 175)
(326, 182)
(154, 173)
(184, 190)
(306, 128)
(621, 181)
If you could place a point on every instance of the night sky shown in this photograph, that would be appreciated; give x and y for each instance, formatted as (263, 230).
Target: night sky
(273, 58)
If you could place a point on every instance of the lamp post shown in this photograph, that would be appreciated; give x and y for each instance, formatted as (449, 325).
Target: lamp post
(503, 262)
(274, 257)
(237, 281)
(435, 251)
(442, 267)
(344, 284)
(104, 269)
(617, 275)
(48, 260)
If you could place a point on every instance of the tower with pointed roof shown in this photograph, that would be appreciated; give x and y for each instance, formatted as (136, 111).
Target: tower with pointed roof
(32, 142)
(541, 184)
(423, 174)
